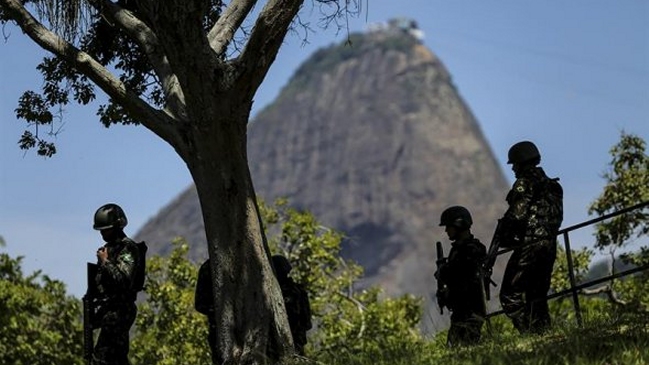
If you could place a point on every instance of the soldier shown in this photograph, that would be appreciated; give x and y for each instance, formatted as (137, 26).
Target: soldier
(204, 304)
(461, 279)
(119, 277)
(296, 301)
(530, 226)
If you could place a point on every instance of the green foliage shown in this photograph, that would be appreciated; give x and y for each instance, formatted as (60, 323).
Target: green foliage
(627, 184)
(580, 261)
(168, 330)
(603, 340)
(347, 321)
(39, 323)
(562, 309)
(110, 46)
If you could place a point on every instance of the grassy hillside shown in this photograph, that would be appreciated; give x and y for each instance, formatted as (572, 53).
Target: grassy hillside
(602, 341)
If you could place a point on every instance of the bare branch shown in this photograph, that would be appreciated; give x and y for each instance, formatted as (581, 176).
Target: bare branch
(223, 31)
(361, 309)
(608, 290)
(158, 122)
(265, 40)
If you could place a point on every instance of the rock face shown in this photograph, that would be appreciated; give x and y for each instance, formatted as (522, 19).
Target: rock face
(374, 139)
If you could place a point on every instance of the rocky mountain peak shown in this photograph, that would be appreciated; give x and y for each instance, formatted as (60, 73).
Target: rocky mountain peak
(372, 137)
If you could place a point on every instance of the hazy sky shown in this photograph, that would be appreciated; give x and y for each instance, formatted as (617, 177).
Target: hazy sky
(568, 75)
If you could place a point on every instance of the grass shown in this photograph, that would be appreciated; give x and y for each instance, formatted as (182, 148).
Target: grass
(601, 341)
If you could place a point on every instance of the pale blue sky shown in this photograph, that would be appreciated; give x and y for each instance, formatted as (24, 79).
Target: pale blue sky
(569, 75)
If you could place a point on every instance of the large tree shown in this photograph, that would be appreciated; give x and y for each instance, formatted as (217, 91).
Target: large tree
(187, 70)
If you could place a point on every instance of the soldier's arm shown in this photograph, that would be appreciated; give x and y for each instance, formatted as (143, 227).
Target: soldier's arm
(120, 270)
(446, 271)
(519, 199)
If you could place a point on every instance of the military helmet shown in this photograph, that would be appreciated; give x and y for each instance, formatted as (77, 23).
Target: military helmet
(522, 152)
(281, 265)
(456, 216)
(109, 216)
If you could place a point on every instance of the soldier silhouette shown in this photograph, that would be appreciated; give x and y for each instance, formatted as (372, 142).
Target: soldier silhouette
(460, 276)
(296, 301)
(120, 275)
(530, 226)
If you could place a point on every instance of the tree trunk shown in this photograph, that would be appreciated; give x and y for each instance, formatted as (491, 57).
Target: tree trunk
(205, 119)
(250, 314)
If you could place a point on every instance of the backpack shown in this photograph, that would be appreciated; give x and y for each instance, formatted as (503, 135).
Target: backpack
(550, 201)
(203, 301)
(140, 271)
(298, 309)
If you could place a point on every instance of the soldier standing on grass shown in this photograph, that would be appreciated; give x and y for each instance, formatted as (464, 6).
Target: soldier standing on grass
(120, 275)
(460, 275)
(530, 226)
(296, 301)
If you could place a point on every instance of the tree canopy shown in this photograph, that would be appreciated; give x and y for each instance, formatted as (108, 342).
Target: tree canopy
(39, 323)
(627, 184)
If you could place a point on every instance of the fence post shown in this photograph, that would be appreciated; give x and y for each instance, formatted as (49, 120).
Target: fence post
(571, 274)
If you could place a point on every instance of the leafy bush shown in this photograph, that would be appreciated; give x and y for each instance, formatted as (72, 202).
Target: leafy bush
(39, 323)
(167, 328)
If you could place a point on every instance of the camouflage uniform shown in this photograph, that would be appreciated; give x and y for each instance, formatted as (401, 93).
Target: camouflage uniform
(204, 304)
(116, 308)
(298, 311)
(530, 225)
(465, 296)
(296, 301)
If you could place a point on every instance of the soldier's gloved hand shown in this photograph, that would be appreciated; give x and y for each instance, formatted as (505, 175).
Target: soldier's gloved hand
(441, 263)
(442, 296)
(102, 254)
(437, 273)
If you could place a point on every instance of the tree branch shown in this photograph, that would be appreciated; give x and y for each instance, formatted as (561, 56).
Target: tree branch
(608, 290)
(223, 31)
(147, 39)
(157, 121)
(264, 42)
(361, 309)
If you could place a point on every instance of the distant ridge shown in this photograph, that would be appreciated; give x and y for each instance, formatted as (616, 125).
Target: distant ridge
(374, 139)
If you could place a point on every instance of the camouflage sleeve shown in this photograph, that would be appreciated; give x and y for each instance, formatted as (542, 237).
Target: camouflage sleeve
(120, 271)
(519, 199)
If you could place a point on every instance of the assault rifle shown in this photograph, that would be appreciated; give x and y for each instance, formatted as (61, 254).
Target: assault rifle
(89, 312)
(490, 260)
(442, 288)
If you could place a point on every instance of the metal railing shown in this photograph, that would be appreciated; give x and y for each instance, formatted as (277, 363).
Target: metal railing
(574, 287)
